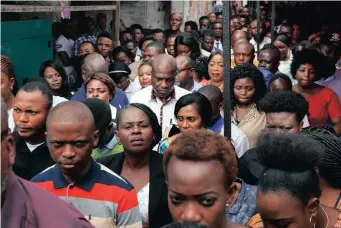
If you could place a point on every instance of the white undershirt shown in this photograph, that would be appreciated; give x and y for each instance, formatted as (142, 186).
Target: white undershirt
(33, 147)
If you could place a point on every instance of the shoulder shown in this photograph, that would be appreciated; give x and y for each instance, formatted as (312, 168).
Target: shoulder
(141, 95)
(107, 160)
(110, 178)
(45, 175)
(179, 92)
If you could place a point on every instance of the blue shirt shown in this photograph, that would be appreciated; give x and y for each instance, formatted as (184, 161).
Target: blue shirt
(119, 101)
(244, 207)
(196, 87)
(218, 125)
(266, 74)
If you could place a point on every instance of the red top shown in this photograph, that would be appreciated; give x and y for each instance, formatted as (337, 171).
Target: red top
(323, 107)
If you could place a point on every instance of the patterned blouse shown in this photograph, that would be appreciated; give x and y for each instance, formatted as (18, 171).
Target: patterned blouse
(143, 198)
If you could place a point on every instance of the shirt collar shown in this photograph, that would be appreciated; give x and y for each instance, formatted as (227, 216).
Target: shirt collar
(86, 183)
(112, 143)
(169, 98)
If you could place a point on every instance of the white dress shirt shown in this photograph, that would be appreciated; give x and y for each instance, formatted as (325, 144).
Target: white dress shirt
(164, 112)
(266, 40)
(238, 139)
(218, 45)
(67, 45)
(205, 53)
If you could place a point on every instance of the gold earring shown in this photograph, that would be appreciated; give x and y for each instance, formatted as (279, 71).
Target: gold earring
(227, 205)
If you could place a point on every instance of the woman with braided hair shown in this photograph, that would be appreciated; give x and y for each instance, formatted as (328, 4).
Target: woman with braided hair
(8, 87)
(138, 130)
(330, 167)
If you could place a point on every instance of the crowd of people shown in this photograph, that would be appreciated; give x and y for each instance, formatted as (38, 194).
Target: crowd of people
(133, 135)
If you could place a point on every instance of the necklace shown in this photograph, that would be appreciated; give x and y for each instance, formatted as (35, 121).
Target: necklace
(326, 216)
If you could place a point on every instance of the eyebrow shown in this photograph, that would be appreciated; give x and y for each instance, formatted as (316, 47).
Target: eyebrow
(196, 196)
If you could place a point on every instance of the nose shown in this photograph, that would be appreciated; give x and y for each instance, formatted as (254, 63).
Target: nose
(136, 129)
(164, 84)
(68, 151)
(190, 214)
(243, 92)
(94, 94)
(185, 124)
(23, 117)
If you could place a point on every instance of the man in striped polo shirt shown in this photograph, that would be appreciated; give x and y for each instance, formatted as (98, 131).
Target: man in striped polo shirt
(105, 198)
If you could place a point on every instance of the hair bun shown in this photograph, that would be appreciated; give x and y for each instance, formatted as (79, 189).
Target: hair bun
(287, 152)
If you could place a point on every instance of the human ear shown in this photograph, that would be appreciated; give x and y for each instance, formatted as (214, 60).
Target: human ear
(230, 195)
(96, 137)
(301, 126)
(313, 206)
(11, 150)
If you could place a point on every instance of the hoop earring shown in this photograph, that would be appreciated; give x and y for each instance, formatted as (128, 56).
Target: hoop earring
(311, 218)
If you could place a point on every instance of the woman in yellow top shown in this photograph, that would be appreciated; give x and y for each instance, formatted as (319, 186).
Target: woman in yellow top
(215, 71)
(289, 189)
(247, 88)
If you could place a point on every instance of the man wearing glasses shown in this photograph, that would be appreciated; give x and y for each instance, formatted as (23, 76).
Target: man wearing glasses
(186, 71)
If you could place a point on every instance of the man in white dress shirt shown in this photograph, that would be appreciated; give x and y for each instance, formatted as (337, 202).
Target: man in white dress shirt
(218, 30)
(162, 95)
(207, 42)
(262, 39)
(185, 76)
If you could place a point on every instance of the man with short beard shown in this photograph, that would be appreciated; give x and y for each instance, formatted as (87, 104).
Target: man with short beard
(22, 203)
(175, 22)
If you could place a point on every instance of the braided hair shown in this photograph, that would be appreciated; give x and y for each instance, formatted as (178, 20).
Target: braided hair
(8, 69)
(330, 166)
(157, 131)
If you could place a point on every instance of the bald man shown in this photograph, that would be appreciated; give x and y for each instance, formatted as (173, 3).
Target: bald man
(239, 139)
(23, 199)
(162, 95)
(95, 63)
(186, 71)
(243, 53)
(71, 137)
(175, 22)
(236, 35)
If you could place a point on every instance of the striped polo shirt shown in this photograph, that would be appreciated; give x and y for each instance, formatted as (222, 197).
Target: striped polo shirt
(105, 198)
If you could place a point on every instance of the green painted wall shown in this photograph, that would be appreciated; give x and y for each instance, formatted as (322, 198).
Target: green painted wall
(27, 44)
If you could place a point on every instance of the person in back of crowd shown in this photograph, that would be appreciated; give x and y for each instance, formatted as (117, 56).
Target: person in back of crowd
(126, 35)
(101, 86)
(324, 105)
(131, 45)
(162, 95)
(175, 22)
(243, 53)
(159, 35)
(235, 24)
(137, 35)
(192, 112)
(86, 47)
(280, 82)
(246, 11)
(269, 57)
(290, 170)
(329, 167)
(106, 126)
(244, 21)
(170, 45)
(122, 54)
(119, 72)
(220, 16)
(286, 29)
(135, 66)
(104, 45)
(261, 37)
(87, 27)
(95, 63)
(152, 50)
(8, 84)
(204, 23)
(93, 185)
(237, 36)
(215, 71)
(191, 26)
(186, 69)
(282, 42)
(145, 73)
(331, 48)
(211, 17)
(189, 163)
(65, 46)
(238, 138)
(285, 112)
(217, 27)
(101, 24)
(139, 131)
(22, 199)
(247, 88)
(30, 109)
(296, 33)
(55, 75)
(207, 42)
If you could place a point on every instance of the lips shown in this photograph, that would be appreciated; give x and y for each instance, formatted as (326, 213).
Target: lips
(137, 142)
(23, 129)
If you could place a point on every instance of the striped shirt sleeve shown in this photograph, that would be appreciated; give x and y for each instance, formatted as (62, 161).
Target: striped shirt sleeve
(128, 213)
